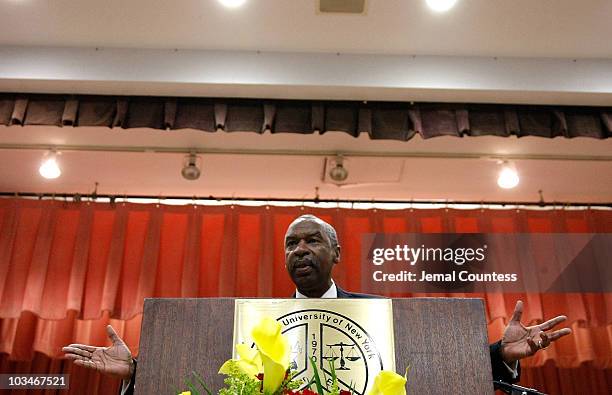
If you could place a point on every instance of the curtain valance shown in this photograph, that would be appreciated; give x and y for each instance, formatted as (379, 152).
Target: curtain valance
(380, 120)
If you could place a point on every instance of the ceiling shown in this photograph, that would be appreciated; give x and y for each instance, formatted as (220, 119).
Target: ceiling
(148, 162)
(524, 28)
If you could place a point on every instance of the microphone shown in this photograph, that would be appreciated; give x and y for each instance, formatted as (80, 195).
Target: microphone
(514, 389)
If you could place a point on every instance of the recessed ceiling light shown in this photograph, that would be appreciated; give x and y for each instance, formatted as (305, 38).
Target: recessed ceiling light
(508, 177)
(441, 5)
(49, 167)
(232, 3)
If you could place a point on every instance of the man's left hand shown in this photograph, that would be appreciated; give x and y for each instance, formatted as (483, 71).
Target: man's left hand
(520, 341)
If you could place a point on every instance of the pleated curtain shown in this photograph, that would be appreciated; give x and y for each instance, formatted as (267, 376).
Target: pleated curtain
(69, 269)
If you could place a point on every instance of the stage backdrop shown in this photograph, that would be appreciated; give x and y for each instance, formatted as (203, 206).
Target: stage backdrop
(68, 269)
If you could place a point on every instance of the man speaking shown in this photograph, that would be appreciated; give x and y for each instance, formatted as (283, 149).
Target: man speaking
(311, 251)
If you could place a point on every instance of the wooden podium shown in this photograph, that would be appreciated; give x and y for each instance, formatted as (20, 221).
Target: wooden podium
(443, 339)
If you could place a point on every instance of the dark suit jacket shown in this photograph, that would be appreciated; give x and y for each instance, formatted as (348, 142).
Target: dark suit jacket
(342, 294)
(500, 371)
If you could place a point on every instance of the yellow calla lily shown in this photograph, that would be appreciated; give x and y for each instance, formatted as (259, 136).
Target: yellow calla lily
(388, 383)
(249, 362)
(248, 354)
(274, 350)
(185, 393)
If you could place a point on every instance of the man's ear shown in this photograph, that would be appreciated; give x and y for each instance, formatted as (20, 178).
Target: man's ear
(337, 253)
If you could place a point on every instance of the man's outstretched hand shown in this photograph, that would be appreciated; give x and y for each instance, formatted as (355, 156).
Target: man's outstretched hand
(115, 360)
(520, 341)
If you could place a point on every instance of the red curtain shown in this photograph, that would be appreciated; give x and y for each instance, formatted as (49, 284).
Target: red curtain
(68, 269)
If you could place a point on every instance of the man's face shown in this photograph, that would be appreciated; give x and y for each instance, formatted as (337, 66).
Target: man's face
(309, 257)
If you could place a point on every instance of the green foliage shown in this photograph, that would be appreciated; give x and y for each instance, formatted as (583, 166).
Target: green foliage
(335, 389)
(239, 383)
(201, 382)
(317, 379)
(290, 383)
(192, 388)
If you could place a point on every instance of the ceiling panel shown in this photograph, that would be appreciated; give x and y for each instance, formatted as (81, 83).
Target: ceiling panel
(560, 28)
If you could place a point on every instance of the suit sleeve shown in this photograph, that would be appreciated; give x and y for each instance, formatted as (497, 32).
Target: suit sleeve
(500, 370)
(127, 388)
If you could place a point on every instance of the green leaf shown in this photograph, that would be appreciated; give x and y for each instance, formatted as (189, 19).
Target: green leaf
(192, 388)
(351, 387)
(335, 389)
(317, 379)
(309, 385)
(201, 382)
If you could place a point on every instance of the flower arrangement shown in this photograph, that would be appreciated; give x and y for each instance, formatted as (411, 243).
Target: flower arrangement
(265, 371)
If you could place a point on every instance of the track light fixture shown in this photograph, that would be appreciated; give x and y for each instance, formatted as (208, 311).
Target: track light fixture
(191, 167)
(338, 173)
(49, 167)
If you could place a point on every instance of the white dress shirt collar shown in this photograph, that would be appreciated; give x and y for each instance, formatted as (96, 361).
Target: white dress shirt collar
(331, 293)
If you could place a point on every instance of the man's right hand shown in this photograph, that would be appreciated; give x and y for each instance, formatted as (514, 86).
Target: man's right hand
(115, 360)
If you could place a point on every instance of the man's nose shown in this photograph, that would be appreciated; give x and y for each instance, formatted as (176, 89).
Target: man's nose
(301, 249)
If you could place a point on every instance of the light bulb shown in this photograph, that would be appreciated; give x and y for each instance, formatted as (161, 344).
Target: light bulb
(508, 178)
(441, 5)
(191, 169)
(338, 173)
(232, 3)
(49, 168)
